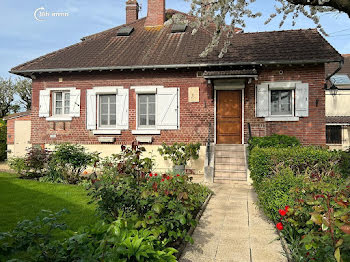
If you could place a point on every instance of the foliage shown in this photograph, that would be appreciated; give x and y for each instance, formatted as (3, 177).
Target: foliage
(276, 192)
(180, 153)
(35, 241)
(318, 225)
(3, 140)
(210, 12)
(18, 164)
(275, 140)
(7, 93)
(23, 88)
(68, 162)
(344, 163)
(265, 162)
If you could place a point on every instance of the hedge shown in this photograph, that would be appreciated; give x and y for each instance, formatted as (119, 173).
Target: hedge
(280, 141)
(3, 140)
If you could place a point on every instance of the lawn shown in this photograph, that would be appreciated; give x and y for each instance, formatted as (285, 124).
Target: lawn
(24, 199)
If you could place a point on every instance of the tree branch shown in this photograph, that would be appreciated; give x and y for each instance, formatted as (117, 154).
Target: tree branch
(341, 5)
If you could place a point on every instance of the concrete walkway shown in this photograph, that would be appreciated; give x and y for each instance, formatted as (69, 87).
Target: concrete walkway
(233, 229)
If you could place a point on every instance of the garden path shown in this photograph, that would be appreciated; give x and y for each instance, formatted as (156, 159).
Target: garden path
(233, 229)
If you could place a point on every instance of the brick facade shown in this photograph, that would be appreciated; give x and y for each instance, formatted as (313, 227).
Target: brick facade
(194, 117)
(132, 11)
(155, 13)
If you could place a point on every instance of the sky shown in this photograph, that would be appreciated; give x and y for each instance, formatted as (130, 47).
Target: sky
(23, 38)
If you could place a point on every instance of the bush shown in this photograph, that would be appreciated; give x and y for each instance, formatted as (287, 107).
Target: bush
(265, 162)
(3, 140)
(68, 162)
(163, 203)
(278, 141)
(47, 239)
(18, 164)
(344, 163)
(180, 153)
(279, 191)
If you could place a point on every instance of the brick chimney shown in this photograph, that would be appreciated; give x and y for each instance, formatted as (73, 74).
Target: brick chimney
(155, 13)
(132, 11)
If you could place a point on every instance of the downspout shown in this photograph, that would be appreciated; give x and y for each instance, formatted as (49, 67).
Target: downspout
(341, 63)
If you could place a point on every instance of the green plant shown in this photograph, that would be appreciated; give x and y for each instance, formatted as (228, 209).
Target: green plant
(18, 164)
(3, 140)
(180, 153)
(265, 162)
(275, 140)
(344, 163)
(278, 191)
(68, 162)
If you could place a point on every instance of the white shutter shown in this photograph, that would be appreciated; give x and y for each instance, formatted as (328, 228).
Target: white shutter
(168, 108)
(122, 103)
(90, 109)
(44, 103)
(74, 102)
(302, 100)
(262, 100)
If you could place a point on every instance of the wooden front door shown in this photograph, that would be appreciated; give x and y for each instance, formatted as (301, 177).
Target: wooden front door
(229, 117)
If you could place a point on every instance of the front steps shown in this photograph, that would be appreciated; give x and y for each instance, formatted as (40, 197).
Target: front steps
(230, 163)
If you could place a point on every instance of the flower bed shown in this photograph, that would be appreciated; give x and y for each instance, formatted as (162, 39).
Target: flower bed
(303, 190)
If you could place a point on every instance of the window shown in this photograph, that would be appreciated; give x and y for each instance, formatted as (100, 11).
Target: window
(333, 134)
(107, 111)
(61, 103)
(281, 102)
(146, 110)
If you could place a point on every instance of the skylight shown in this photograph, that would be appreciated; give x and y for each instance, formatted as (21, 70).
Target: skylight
(125, 31)
(340, 79)
(178, 28)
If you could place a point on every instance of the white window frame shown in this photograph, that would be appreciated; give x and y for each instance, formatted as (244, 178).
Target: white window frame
(99, 126)
(292, 102)
(146, 127)
(54, 100)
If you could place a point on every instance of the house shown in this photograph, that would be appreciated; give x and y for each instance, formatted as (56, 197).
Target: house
(337, 107)
(146, 81)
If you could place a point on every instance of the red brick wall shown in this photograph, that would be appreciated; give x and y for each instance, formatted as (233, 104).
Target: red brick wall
(194, 117)
(11, 128)
(132, 11)
(310, 130)
(155, 13)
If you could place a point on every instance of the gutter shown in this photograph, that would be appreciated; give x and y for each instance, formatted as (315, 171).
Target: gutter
(175, 66)
(341, 63)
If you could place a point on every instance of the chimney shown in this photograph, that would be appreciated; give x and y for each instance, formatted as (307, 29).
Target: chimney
(155, 13)
(132, 11)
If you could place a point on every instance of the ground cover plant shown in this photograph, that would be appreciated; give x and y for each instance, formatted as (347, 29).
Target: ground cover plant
(306, 192)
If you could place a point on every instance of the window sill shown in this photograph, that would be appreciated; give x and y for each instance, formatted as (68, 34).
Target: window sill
(106, 132)
(281, 118)
(146, 132)
(59, 118)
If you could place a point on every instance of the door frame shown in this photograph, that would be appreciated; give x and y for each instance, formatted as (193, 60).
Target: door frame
(215, 116)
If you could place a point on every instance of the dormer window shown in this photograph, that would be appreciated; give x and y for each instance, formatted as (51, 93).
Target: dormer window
(125, 31)
(178, 28)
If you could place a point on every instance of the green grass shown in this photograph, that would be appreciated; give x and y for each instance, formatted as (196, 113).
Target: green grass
(24, 199)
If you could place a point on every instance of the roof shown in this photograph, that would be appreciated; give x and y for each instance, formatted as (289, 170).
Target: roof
(17, 115)
(231, 73)
(338, 119)
(160, 48)
(330, 68)
(340, 79)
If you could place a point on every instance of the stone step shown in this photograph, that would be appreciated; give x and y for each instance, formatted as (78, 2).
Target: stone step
(230, 160)
(229, 167)
(227, 180)
(231, 154)
(231, 148)
(231, 174)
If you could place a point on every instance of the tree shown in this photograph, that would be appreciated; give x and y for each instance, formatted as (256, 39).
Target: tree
(23, 89)
(7, 91)
(216, 11)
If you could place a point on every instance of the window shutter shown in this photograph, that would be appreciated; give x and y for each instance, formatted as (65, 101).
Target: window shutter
(302, 100)
(122, 103)
(75, 103)
(262, 100)
(44, 103)
(91, 109)
(167, 108)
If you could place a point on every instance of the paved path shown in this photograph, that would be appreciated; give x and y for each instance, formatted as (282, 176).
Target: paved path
(233, 229)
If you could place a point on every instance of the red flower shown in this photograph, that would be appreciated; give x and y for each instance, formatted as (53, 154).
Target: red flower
(150, 175)
(282, 212)
(177, 175)
(279, 226)
(155, 174)
(168, 177)
(286, 208)
(162, 179)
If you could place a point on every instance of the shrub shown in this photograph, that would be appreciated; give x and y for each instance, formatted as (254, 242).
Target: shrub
(344, 163)
(68, 162)
(3, 140)
(180, 153)
(279, 141)
(18, 164)
(265, 162)
(46, 239)
(276, 192)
